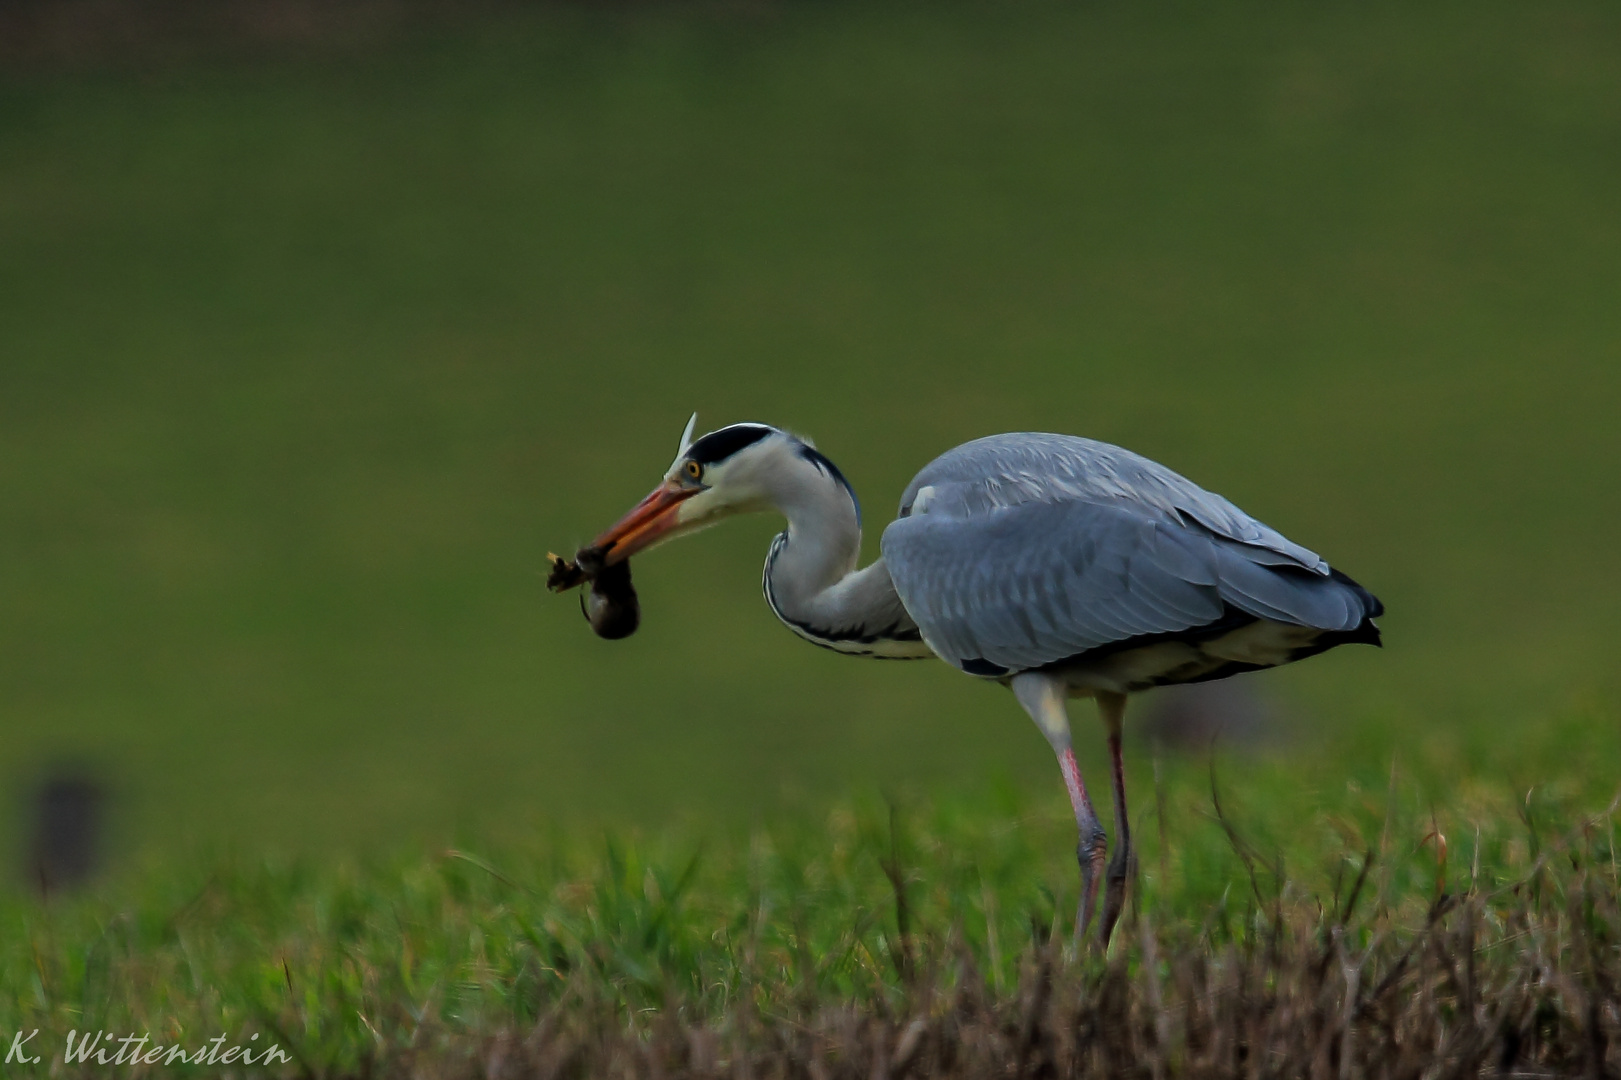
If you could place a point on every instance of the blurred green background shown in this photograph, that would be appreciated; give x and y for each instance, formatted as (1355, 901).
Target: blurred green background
(307, 360)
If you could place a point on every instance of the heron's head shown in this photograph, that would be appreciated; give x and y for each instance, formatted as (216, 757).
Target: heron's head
(723, 473)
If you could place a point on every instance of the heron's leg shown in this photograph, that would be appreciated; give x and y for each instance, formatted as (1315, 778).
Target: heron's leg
(1043, 698)
(1113, 707)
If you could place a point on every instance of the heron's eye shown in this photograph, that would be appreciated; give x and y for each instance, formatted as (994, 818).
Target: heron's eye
(694, 470)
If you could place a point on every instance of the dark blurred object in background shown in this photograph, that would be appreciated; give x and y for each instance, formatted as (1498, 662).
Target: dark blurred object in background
(1226, 714)
(67, 812)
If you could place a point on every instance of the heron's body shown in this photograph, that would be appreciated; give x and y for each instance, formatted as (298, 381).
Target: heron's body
(1057, 565)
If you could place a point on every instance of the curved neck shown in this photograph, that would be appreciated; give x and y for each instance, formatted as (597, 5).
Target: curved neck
(811, 580)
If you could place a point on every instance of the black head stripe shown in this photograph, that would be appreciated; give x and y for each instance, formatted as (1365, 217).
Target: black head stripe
(722, 444)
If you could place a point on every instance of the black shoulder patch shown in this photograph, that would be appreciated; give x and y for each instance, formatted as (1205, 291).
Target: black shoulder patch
(975, 665)
(722, 444)
(820, 460)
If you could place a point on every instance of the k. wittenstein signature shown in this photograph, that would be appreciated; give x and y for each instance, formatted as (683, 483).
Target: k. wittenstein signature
(109, 1048)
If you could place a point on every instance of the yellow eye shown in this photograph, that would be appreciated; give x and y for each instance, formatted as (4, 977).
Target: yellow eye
(694, 469)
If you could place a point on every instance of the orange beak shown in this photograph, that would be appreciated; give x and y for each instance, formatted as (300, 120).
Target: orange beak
(647, 522)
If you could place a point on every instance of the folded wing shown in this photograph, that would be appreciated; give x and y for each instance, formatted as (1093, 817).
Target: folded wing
(1026, 550)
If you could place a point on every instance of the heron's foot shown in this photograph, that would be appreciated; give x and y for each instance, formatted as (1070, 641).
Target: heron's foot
(1114, 893)
(1090, 854)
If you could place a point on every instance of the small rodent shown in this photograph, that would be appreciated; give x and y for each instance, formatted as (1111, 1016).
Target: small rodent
(610, 606)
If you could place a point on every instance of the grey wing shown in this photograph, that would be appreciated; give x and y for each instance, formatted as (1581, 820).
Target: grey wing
(1021, 467)
(1002, 575)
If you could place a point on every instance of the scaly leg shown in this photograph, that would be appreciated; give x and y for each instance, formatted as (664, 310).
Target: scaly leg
(1113, 707)
(1093, 845)
(1043, 698)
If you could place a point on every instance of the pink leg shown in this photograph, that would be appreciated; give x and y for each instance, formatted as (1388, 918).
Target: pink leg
(1094, 845)
(1043, 697)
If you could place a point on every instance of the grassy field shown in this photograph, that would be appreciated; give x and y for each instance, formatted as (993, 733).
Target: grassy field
(871, 942)
(306, 361)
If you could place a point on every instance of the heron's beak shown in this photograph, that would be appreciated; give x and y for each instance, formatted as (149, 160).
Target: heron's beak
(648, 521)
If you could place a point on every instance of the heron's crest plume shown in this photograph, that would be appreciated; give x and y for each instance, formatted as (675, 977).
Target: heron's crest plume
(686, 441)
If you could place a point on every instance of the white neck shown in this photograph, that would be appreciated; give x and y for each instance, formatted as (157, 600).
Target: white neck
(811, 580)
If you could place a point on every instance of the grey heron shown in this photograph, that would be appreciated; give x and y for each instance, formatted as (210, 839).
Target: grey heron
(1058, 566)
